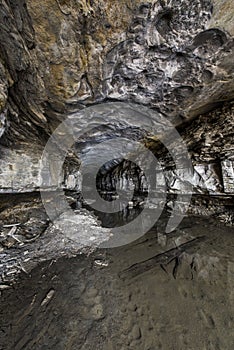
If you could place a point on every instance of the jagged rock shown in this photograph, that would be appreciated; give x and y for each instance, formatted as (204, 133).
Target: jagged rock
(171, 60)
(22, 171)
(228, 175)
(56, 55)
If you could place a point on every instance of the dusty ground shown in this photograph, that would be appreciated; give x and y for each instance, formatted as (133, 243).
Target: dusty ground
(148, 295)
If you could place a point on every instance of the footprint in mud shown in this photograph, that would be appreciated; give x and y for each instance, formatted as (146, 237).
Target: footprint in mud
(92, 304)
(208, 320)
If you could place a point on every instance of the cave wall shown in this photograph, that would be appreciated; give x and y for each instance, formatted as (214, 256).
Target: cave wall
(209, 141)
(59, 56)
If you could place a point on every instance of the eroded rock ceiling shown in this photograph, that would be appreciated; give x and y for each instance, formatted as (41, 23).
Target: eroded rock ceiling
(175, 56)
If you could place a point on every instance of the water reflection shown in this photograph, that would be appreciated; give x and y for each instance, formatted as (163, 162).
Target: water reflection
(121, 213)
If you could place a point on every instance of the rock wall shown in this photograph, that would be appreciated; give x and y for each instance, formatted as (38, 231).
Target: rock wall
(209, 141)
(61, 56)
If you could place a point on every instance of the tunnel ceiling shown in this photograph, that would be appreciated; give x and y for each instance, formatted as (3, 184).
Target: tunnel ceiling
(60, 56)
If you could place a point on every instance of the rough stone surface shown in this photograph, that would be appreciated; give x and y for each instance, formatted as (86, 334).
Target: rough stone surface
(27, 236)
(209, 141)
(223, 15)
(59, 54)
(22, 170)
(228, 175)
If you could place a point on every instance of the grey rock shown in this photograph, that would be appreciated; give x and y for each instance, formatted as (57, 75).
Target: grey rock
(228, 175)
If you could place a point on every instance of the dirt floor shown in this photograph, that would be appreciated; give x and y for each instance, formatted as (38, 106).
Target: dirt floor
(170, 292)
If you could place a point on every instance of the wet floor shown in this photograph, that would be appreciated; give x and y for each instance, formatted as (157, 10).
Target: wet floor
(173, 291)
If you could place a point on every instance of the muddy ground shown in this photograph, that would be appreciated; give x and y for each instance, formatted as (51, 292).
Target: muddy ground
(170, 292)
